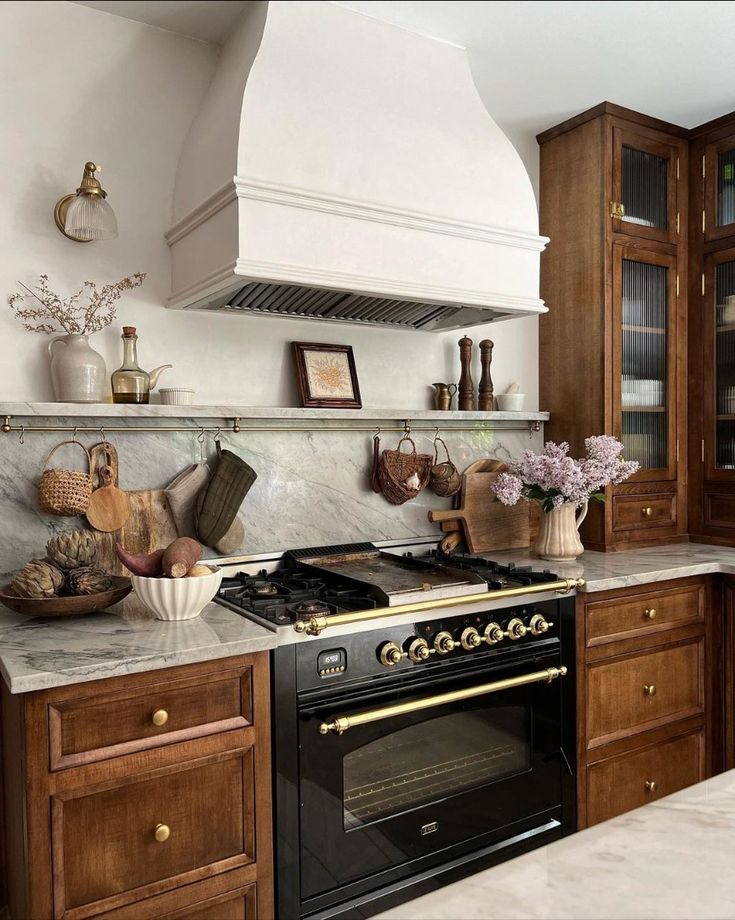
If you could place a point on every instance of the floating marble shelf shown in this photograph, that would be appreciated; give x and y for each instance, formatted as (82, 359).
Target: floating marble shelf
(257, 418)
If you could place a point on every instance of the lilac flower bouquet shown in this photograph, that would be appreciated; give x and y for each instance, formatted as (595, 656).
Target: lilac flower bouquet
(553, 478)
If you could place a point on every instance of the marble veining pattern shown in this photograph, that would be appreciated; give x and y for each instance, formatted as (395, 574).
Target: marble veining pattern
(608, 571)
(312, 487)
(669, 860)
(36, 654)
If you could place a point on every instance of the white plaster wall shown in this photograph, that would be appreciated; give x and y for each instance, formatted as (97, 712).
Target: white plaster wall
(79, 84)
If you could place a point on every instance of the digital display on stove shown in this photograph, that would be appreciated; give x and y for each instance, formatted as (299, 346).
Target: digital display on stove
(333, 661)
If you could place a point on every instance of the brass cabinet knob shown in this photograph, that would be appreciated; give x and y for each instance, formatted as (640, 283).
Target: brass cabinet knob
(493, 633)
(389, 654)
(538, 624)
(516, 629)
(443, 642)
(649, 689)
(470, 638)
(650, 613)
(647, 511)
(162, 833)
(418, 649)
(651, 785)
(160, 717)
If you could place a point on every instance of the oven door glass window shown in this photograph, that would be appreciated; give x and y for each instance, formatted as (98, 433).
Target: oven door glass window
(431, 760)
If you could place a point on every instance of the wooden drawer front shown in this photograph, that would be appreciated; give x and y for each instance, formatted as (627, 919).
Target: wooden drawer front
(85, 730)
(650, 689)
(104, 846)
(622, 783)
(719, 510)
(639, 512)
(646, 613)
(235, 905)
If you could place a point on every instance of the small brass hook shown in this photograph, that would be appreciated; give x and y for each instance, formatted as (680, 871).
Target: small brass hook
(21, 439)
(103, 435)
(74, 434)
(217, 435)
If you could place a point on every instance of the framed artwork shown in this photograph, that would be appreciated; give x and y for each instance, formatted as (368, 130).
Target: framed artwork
(326, 375)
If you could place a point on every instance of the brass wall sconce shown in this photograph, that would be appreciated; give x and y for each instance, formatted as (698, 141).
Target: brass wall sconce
(85, 215)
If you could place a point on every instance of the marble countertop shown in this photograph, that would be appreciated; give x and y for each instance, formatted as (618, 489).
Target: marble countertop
(670, 859)
(36, 654)
(605, 571)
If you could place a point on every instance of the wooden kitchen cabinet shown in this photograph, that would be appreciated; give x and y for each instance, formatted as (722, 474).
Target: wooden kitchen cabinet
(650, 693)
(141, 797)
(613, 200)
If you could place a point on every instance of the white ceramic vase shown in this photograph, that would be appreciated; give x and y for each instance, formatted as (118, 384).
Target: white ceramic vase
(558, 536)
(78, 372)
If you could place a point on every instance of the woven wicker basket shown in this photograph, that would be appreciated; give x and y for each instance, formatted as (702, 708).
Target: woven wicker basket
(445, 479)
(65, 492)
(396, 467)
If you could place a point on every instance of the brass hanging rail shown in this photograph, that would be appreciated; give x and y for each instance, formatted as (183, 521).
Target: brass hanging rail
(234, 426)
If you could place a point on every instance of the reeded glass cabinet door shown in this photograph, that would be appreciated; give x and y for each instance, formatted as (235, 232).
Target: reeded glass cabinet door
(719, 189)
(644, 288)
(719, 362)
(645, 174)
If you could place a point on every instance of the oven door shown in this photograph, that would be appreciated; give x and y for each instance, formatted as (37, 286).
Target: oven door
(442, 768)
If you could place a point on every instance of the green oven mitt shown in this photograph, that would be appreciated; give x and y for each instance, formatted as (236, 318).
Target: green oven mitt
(219, 502)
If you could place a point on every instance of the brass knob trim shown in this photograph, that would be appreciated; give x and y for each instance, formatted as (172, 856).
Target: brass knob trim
(651, 785)
(162, 833)
(470, 638)
(539, 625)
(649, 689)
(493, 633)
(647, 511)
(159, 718)
(418, 650)
(650, 613)
(516, 629)
(389, 654)
(443, 642)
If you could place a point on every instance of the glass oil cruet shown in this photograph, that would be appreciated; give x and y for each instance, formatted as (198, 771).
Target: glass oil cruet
(130, 383)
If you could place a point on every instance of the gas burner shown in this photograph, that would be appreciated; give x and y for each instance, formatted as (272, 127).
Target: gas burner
(310, 608)
(263, 589)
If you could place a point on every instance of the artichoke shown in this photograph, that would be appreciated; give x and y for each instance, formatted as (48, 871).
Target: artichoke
(38, 578)
(72, 549)
(87, 580)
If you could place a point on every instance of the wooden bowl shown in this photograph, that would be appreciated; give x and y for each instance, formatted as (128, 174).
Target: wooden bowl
(66, 606)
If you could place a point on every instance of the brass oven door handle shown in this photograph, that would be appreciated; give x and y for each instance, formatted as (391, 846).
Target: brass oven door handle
(313, 626)
(340, 724)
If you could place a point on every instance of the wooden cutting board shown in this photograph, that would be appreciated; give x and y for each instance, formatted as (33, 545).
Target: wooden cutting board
(487, 524)
(150, 526)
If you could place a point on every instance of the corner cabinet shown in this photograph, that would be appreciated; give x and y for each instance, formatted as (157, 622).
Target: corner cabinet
(613, 200)
(712, 332)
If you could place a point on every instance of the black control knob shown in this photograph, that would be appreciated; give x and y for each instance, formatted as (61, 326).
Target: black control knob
(538, 624)
(443, 642)
(470, 638)
(493, 633)
(516, 629)
(418, 649)
(389, 654)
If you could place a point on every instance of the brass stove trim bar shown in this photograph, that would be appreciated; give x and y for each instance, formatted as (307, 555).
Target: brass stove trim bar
(340, 724)
(313, 626)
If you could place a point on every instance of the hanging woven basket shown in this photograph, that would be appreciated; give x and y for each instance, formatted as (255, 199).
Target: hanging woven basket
(397, 469)
(65, 492)
(445, 479)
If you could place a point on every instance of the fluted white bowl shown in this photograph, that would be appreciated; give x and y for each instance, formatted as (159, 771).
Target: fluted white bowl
(177, 598)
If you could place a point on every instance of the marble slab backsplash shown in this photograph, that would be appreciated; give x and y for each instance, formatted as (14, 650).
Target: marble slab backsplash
(312, 487)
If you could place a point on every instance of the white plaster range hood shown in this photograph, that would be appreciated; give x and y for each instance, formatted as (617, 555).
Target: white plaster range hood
(344, 169)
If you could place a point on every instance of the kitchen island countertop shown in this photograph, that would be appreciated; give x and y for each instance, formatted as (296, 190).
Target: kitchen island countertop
(608, 571)
(39, 653)
(669, 859)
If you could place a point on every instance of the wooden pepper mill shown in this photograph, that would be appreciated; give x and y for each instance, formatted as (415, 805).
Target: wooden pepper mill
(466, 387)
(486, 402)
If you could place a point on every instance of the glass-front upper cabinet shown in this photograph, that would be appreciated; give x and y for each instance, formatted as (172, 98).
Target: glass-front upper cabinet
(645, 187)
(644, 304)
(719, 408)
(719, 189)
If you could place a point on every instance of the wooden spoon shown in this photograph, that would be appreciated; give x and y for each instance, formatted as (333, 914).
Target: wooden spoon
(109, 506)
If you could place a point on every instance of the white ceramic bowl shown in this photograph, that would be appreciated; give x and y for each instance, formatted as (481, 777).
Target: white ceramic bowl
(177, 396)
(510, 402)
(177, 598)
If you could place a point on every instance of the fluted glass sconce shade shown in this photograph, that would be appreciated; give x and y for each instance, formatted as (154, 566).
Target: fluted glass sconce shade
(86, 216)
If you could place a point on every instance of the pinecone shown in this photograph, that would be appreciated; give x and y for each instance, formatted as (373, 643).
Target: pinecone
(72, 549)
(38, 578)
(87, 580)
